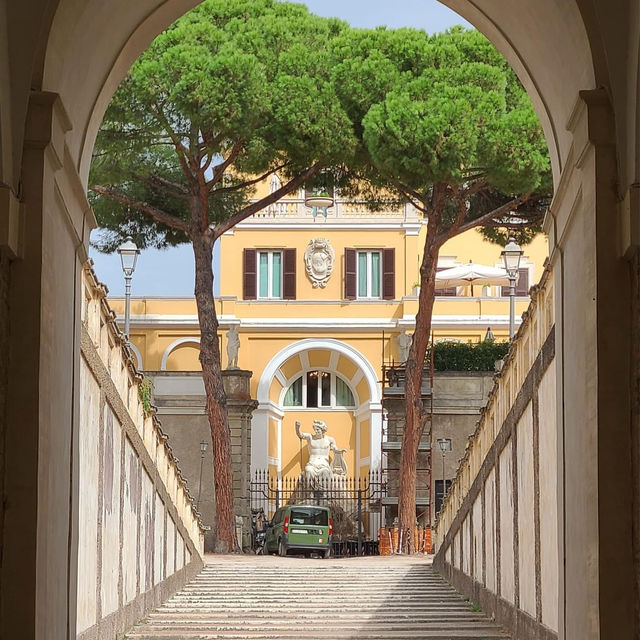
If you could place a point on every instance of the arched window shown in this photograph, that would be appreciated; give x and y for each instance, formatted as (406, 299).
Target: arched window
(317, 389)
(275, 183)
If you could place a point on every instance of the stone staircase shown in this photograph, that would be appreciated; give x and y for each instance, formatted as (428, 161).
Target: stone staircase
(260, 598)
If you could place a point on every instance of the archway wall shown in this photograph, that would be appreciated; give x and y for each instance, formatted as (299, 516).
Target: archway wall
(497, 534)
(66, 49)
(569, 38)
(45, 159)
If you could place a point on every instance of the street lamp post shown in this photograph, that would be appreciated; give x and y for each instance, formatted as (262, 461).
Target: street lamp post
(511, 255)
(129, 253)
(203, 448)
(445, 445)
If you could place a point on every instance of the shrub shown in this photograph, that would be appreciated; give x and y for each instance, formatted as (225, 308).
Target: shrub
(458, 356)
(145, 391)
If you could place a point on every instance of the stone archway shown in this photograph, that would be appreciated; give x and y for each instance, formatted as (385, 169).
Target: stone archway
(175, 345)
(58, 69)
(272, 385)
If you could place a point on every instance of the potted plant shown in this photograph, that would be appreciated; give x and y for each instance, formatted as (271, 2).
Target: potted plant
(319, 200)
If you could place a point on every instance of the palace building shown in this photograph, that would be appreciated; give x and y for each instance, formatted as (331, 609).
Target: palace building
(318, 298)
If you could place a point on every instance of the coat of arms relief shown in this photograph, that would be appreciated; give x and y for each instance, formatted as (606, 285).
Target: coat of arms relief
(318, 258)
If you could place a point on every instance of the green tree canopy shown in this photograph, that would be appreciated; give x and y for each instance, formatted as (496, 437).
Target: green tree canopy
(445, 111)
(446, 126)
(233, 91)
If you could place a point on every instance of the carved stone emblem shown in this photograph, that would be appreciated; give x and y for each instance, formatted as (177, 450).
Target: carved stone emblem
(318, 258)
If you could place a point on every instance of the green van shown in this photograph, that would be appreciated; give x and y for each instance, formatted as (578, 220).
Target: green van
(300, 528)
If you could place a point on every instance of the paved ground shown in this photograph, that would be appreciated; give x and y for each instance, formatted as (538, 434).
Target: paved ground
(265, 597)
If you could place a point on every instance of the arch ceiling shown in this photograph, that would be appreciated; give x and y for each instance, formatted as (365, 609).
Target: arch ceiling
(323, 360)
(286, 365)
(84, 62)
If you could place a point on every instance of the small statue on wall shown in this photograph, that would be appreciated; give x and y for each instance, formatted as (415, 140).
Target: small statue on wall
(233, 346)
(320, 445)
(403, 342)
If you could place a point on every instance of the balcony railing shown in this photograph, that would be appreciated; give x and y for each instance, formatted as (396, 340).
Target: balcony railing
(295, 210)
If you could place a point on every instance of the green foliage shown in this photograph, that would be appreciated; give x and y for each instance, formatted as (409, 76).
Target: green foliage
(457, 356)
(245, 87)
(444, 110)
(236, 87)
(145, 392)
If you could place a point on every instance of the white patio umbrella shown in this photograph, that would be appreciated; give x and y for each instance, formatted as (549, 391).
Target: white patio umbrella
(471, 273)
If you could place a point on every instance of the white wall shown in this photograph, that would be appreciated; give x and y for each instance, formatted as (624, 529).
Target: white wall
(511, 463)
(137, 527)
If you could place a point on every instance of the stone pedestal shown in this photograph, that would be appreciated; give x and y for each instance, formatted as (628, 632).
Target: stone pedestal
(240, 407)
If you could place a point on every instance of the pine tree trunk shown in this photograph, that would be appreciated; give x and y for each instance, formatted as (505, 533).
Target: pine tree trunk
(216, 397)
(415, 417)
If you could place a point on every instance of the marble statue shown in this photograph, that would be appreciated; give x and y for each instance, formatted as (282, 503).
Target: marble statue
(403, 340)
(233, 345)
(320, 445)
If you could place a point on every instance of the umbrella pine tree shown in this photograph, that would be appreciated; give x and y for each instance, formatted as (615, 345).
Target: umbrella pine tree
(232, 93)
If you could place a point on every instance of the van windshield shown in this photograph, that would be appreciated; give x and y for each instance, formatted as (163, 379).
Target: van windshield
(310, 516)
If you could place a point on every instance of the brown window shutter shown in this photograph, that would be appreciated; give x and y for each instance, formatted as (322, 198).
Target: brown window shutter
(350, 274)
(522, 288)
(249, 275)
(449, 291)
(388, 274)
(289, 274)
(522, 285)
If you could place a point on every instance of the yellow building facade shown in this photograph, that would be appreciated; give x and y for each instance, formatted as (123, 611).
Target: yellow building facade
(318, 303)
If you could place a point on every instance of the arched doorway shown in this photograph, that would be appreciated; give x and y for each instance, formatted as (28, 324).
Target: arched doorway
(63, 66)
(317, 379)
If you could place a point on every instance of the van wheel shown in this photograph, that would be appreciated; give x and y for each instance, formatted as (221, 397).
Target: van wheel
(327, 554)
(282, 550)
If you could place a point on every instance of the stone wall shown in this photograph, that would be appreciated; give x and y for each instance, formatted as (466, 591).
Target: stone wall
(4, 369)
(496, 536)
(180, 400)
(140, 538)
(458, 398)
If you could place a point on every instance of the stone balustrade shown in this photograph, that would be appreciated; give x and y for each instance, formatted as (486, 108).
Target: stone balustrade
(294, 209)
(140, 536)
(496, 534)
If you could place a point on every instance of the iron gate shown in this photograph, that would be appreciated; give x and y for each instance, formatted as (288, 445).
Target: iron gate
(356, 505)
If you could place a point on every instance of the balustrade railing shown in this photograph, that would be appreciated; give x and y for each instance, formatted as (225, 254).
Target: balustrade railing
(111, 347)
(294, 209)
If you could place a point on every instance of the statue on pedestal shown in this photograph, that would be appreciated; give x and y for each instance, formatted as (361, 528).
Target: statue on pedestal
(403, 341)
(320, 445)
(233, 346)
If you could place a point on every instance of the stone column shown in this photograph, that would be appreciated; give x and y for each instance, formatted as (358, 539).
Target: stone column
(240, 407)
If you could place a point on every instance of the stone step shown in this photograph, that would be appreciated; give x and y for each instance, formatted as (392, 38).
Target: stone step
(260, 598)
(333, 635)
(356, 614)
(292, 625)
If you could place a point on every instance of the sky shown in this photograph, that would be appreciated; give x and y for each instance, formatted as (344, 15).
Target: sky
(170, 273)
